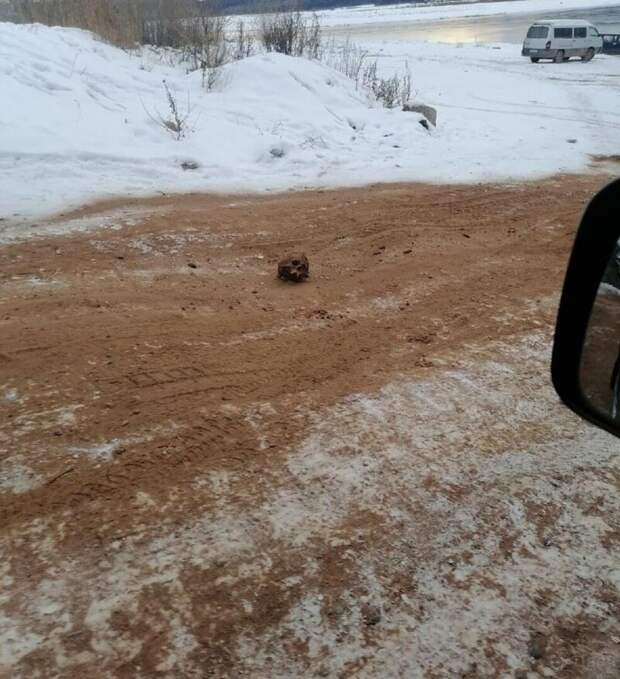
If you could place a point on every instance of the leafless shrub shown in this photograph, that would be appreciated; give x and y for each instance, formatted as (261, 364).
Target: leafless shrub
(391, 92)
(212, 43)
(175, 122)
(243, 43)
(346, 58)
(210, 76)
(278, 32)
(166, 22)
(353, 62)
(197, 36)
(312, 37)
(291, 33)
(206, 48)
(406, 87)
(185, 25)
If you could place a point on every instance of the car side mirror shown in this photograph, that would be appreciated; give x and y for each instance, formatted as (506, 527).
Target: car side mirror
(585, 365)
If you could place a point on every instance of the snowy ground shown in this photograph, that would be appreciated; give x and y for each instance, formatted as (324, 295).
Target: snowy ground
(445, 489)
(192, 486)
(79, 120)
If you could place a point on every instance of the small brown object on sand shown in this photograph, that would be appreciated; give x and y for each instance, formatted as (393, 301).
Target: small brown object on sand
(295, 268)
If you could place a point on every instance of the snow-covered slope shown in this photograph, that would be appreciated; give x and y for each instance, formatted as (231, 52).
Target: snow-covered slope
(78, 120)
(81, 118)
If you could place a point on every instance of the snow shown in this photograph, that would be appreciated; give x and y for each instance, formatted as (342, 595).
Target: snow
(414, 12)
(513, 452)
(80, 121)
(609, 290)
(16, 477)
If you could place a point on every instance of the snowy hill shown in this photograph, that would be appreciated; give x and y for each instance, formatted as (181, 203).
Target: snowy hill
(81, 120)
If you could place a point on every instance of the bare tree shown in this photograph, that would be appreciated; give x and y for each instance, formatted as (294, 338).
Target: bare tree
(243, 43)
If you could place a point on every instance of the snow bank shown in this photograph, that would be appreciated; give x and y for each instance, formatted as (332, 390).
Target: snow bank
(79, 121)
(408, 13)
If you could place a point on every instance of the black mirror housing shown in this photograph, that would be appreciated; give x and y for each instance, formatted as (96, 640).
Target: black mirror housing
(596, 240)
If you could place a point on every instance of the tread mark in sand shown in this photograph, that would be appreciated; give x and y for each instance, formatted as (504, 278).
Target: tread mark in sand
(151, 378)
(211, 438)
(91, 492)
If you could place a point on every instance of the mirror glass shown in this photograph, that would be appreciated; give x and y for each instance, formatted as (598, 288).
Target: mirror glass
(600, 359)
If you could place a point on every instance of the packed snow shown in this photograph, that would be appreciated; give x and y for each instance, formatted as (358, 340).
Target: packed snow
(82, 120)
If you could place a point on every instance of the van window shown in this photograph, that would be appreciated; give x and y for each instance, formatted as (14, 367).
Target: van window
(562, 32)
(580, 32)
(594, 31)
(538, 32)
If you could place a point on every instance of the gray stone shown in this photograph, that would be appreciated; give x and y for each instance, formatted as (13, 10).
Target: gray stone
(428, 112)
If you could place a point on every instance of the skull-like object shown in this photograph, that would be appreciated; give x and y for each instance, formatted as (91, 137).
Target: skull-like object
(295, 268)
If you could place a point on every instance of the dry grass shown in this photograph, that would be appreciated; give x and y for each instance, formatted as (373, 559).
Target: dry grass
(120, 22)
(353, 62)
(291, 33)
(200, 38)
(195, 34)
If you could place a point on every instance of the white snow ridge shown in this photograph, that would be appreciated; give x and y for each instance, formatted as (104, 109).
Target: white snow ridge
(81, 120)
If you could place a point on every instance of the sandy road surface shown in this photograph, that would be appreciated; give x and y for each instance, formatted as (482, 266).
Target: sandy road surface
(210, 473)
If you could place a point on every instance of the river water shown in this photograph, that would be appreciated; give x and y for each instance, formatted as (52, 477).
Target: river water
(499, 28)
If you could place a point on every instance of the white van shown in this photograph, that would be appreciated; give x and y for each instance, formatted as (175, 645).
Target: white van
(561, 40)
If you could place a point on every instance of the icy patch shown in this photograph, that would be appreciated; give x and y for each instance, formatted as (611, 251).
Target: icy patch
(16, 477)
(10, 395)
(38, 282)
(101, 451)
(104, 451)
(15, 644)
(46, 419)
(386, 303)
(182, 643)
(19, 229)
(18, 284)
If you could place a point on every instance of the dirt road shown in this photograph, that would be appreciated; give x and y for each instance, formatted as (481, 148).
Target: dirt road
(207, 472)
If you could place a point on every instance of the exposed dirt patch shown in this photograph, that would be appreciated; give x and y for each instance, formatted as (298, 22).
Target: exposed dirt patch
(210, 472)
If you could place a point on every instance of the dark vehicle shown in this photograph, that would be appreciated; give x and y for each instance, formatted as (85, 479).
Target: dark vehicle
(611, 43)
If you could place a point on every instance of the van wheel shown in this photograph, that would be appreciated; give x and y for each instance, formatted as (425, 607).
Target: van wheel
(534, 60)
(559, 57)
(589, 55)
